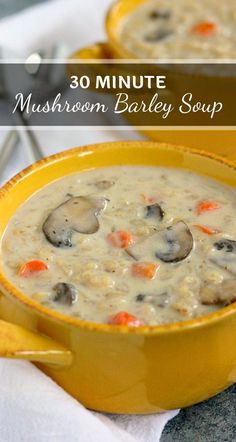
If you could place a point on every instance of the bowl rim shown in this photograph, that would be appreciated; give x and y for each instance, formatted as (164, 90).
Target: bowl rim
(12, 291)
(116, 44)
(127, 54)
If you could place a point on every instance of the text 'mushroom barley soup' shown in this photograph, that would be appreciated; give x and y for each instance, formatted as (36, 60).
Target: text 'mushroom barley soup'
(126, 245)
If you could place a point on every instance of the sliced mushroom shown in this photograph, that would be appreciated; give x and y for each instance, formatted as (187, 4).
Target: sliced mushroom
(140, 297)
(163, 299)
(77, 214)
(216, 294)
(226, 245)
(223, 254)
(170, 245)
(65, 293)
(160, 14)
(177, 243)
(158, 299)
(154, 211)
(158, 35)
(104, 184)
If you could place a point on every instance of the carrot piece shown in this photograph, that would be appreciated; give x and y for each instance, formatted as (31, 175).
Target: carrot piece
(206, 206)
(121, 239)
(145, 269)
(125, 318)
(206, 229)
(31, 267)
(204, 28)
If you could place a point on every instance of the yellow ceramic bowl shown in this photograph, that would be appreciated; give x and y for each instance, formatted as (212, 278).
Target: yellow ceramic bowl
(222, 142)
(111, 368)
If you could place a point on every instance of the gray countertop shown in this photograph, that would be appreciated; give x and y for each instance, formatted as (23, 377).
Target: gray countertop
(211, 421)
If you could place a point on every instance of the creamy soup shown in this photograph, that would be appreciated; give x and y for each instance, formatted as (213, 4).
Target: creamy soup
(126, 245)
(181, 29)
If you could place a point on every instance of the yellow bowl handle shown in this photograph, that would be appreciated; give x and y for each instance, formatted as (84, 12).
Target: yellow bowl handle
(97, 51)
(19, 343)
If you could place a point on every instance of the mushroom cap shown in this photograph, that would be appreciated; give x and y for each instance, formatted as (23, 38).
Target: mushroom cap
(154, 211)
(216, 294)
(77, 214)
(104, 184)
(64, 293)
(170, 245)
(158, 35)
(223, 254)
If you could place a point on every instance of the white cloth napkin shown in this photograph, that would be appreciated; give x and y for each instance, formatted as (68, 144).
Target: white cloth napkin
(32, 407)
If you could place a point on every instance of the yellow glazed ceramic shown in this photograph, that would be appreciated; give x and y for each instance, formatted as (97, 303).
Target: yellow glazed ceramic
(111, 368)
(221, 142)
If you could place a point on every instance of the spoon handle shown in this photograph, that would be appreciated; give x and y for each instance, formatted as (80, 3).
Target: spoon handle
(8, 146)
(31, 146)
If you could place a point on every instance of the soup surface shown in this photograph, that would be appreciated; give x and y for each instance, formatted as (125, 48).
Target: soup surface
(181, 29)
(126, 245)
